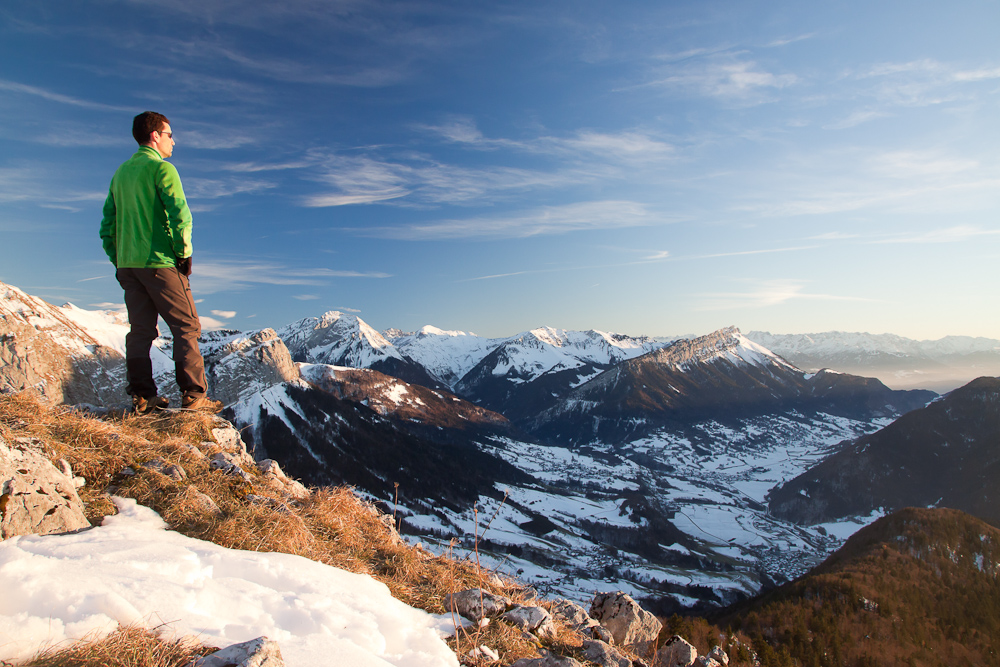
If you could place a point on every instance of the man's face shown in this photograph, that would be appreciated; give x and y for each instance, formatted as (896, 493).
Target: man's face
(163, 141)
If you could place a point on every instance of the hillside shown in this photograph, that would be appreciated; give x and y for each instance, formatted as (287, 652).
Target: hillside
(919, 587)
(942, 455)
(164, 463)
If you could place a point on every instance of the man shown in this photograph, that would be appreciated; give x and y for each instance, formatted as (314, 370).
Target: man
(146, 232)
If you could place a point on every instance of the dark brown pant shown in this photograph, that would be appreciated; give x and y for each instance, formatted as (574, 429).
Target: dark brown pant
(167, 293)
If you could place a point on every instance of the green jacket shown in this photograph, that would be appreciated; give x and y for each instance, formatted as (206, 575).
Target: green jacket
(147, 223)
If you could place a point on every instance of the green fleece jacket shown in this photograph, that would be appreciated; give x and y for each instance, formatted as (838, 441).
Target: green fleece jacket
(147, 223)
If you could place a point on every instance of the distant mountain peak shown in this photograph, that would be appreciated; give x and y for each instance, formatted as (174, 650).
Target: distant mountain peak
(726, 343)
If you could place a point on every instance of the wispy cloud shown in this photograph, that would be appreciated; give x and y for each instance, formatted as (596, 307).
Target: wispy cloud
(224, 314)
(583, 144)
(213, 188)
(911, 164)
(32, 184)
(305, 297)
(766, 294)
(222, 275)
(857, 118)
(210, 323)
(365, 179)
(51, 96)
(737, 80)
(956, 234)
(542, 221)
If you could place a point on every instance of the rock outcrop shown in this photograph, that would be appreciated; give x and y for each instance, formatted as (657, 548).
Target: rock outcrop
(239, 365)
(36, 497)
(260, 652)
(475, 604)
(631, 626)
(44, 349)
(676, 652)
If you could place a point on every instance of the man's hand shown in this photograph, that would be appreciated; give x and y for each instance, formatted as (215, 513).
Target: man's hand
(184, 266)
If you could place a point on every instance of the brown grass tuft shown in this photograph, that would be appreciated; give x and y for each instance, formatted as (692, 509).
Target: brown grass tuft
(126, 647)
(333, 526)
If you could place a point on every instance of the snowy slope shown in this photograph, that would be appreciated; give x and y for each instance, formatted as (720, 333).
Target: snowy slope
(131, 570)
(337, 339)
(447, 355)
(531, 354)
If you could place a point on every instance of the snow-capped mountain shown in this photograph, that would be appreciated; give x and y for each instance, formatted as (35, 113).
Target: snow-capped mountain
(446, 355)
(900, 362)
(528, 372)
(342, 339)
(720, 376)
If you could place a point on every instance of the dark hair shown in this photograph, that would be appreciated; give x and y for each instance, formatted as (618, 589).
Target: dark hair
(146, 123)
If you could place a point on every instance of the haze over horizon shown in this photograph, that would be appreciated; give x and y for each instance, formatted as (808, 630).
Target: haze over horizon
(650, 168)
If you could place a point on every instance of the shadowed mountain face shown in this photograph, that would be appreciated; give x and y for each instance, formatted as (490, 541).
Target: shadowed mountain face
(722, 376)
(918, 587)
(946, 455)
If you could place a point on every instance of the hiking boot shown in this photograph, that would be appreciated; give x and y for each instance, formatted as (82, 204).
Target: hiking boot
(143, 406)
(201, 404)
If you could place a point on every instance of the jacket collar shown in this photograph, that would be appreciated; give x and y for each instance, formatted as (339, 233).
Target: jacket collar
(152, 152)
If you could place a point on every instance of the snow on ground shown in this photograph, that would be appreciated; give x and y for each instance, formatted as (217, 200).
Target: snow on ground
(132, 570)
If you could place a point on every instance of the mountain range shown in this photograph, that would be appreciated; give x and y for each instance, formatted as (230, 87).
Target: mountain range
(578, 460)
(901, 363)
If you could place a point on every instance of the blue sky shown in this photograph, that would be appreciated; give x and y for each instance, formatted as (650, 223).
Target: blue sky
(656, 168)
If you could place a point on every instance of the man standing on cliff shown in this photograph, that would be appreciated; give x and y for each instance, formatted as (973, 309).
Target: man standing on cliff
(146, 232)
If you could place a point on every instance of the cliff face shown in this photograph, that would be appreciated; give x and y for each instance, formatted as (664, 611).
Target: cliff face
(43, 348)
(239, 366)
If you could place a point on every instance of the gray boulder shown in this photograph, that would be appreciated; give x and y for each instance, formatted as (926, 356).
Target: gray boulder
(475, 604)
(676, 652)
(602, 654)
(535, 620)
(631, 626)
(36, 498)
(230, 465)
(260, 652)
(275, 478)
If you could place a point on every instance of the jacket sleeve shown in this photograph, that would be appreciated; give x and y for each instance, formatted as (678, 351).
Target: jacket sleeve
(171, 193)
(109, 229)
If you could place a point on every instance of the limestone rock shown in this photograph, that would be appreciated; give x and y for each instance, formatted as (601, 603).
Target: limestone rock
(275, 477)
(632, 626)
(707, 661)
(719, 655)
(201, 503)
(476, 603)
(532, 619)
(605, 655)
(260, 652)
(228, 464)
(548, 660)
(483, 654)
(36, 498)
(676, 652)
(573, 615)
(601, 633)
(171, 470)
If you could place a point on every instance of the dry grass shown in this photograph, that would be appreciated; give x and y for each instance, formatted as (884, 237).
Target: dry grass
(333, 526)
(126, 647)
